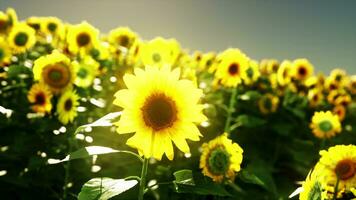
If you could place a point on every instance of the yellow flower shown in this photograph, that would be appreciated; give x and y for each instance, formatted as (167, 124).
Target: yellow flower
(302, 69)
(207, 62)
(5, 52)
(55, 71)
(52, 26)
(315, 97)
(283, 73)
(221, 158)
(21, 38)
(4, 26)
(339, 162)
(340, 111)
(159, 108)
(232, 67)
(352, 84)
(268, 103)
(343, 99)
(12, 16)
(35, 23)
(312, 187)
(338, 77)
(159, 52)
(86, 71)
(272, 66)
(325, 124)
(82, 38)
(122, 37)
(252, 73)
(40, 98)
(67, 106)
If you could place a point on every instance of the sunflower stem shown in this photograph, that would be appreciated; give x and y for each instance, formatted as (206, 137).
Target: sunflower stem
(143, 179)
(336, 188)
(230, 111)
(67, 168)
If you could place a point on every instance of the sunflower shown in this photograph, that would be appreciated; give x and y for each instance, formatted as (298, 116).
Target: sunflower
(67, 106)
(21, 37)
(40, 98)
(344, 99)
(315, 97)
(268, 103)
(86, 71)
(12, 17)
(339, 163)
(340, 111)
(5, 52)
(283, 73)
(312, 187)
(325, 124)
(82, 38)
(221, 158)
(232, 67)
(35, 23)
(252, 73)
(54, 70)
(159, 52)
(302, 69)
(207, 62)
(338, 77)
(122, 37)
(52, 26)
(352, 84)
(160, 108)
(272, 66)
(4, 26)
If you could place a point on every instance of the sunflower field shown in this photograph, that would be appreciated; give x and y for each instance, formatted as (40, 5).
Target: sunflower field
(89, 115)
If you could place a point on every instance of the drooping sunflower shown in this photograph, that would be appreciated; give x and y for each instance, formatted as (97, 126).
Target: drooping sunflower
(302, 69)
(54, 70)
(122, 37)
(233, 65)
(252, 73)
(86, 71)
(283, 73)
(159, 52)
(5, 52)
(221, 158)
(159, 108)
(339, 162)
(21, 37)
(268, 103)
(325, 124)
(82, 38)
(67, 106)
(40, 98)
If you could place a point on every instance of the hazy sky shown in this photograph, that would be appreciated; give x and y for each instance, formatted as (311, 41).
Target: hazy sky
(322, 31)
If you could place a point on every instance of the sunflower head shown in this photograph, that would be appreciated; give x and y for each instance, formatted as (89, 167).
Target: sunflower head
(283, 73)
(268, 103)
(40, 98)
(21, 38)
(339, 77)
(233, 64)
(86, 70)
(302, 69)
(122, 37)
(159, 108)
(5, 52)
(52, 26)
(67, 106)
(352, 85)
(315, 97)
(340, 111)
(35, 23)
(252, 73)
(272, 66)
(325, 124)
(159, 52)
(221, 158)
(55, 71)
(82, 38)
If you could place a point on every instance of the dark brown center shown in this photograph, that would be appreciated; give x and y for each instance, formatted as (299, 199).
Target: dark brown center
(233, 69)
(159, 111)
(345, 169)
(40, 99)
(302, 71)
(68, 105)
(56, 75)
(124, 41)
(83, 39)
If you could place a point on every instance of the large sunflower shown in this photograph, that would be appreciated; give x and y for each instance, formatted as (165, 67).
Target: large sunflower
(40, 98)
(233, 65)
(67, 106)
(86, 71)
(5, 52)
(21, 37)
(221, 158)
(159, 52)
(325, 124)
(339, 162)
(82, 38)
(302, 69)
(54, 70)
(160, 109)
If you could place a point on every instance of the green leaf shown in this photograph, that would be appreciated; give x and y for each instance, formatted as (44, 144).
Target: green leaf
(104, 121)
(250, 95)
(248, 177)
(104, 188)
(89, 151)
(16, 70)
(250, 121)
(187, 182)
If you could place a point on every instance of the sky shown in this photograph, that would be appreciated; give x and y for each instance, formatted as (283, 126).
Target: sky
(322, 31)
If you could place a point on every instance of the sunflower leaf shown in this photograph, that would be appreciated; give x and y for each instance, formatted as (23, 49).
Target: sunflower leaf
(104, 188)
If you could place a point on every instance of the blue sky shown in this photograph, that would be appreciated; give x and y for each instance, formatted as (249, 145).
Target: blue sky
(322, 31)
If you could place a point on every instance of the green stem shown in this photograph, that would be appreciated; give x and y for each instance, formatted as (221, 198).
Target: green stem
(336, 188)
(230, 111)
(143, 179)
(67, 168)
